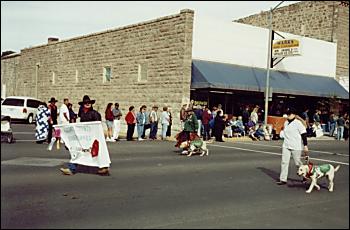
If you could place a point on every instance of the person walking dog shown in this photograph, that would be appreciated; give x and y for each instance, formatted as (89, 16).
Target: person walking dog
(295, 141)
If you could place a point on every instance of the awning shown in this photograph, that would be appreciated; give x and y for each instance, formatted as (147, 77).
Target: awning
(215, 75)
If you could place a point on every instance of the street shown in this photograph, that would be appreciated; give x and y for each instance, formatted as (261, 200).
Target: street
(153, 186)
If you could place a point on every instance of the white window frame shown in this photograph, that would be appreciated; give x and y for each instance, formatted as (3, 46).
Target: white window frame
(142, 73)
(104, 77)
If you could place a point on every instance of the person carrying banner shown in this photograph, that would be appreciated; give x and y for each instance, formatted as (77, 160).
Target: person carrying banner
(87, 114)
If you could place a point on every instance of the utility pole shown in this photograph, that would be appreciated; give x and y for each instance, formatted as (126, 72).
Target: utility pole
(269, 64)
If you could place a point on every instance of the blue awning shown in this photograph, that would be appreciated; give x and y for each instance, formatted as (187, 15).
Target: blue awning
(215, 75)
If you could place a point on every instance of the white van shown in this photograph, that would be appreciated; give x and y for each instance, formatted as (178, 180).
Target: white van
(22, 108)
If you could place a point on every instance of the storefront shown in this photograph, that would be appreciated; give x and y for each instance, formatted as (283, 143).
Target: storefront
(236, 86)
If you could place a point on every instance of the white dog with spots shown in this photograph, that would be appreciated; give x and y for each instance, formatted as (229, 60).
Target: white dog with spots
(195, 146)
(315, 172)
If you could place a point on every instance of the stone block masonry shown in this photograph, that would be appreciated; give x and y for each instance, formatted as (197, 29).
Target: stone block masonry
(148, 63)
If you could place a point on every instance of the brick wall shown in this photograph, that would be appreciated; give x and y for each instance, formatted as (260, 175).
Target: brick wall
(163, 45)
(324, 20)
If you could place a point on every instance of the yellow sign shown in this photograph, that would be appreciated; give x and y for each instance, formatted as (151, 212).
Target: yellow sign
(278, 44)
(285, 48)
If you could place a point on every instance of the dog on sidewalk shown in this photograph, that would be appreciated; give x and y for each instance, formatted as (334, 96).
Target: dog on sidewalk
(314, 172)
(195, 146)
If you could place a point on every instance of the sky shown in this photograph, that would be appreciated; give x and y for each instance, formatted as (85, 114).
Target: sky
(30, 23)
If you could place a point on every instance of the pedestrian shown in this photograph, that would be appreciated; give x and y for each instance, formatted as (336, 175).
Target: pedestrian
(109, 122)
(72, 114)
(205, 121)
(87, 114)
(340, 127)
(117, 114)
(183, 115)
(219, 126)
(245, 117)
(141, 120)
(147, 125)
(164, 120)
(168, 132)
(316, 118)
(130, 119)
(63, 117)
(254, 115)
(153, 118)
(332, 124)
(346, 127)
(198, 111)
(191, 125)
(42, 123)
(53, 117)
(295, 141)
(219, 108)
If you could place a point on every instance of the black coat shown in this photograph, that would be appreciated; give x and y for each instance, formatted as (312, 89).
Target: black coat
(91, 115)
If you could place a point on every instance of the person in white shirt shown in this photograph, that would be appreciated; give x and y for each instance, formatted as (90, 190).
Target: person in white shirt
(295, 141)
(164, 120)
(64, 112)
(254, 115)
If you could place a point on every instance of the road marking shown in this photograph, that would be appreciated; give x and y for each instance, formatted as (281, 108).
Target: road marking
(279, 154)
(316, 151)
(25, 140)
(35, 161)
(24, 133)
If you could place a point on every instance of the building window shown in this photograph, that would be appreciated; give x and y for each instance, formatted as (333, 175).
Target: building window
(76, 76)
(53, 77)
(107, 74)
(142, 73)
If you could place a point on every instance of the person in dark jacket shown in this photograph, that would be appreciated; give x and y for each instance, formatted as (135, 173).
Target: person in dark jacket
(87, 112)
(219, 126)
(53, 117)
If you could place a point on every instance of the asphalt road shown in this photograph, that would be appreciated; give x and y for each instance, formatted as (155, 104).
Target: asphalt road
(152, 186)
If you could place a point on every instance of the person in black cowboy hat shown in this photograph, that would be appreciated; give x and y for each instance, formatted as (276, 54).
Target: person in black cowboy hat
(53, 117)
(87, 113)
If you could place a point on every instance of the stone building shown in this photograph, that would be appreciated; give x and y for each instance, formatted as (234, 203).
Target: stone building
(324, 20)
(147, 63)
(151, 63)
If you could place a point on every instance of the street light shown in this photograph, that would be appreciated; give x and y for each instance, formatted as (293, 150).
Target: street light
(269, 64)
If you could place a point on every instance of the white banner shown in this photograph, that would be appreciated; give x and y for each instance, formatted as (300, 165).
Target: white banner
(86, 143)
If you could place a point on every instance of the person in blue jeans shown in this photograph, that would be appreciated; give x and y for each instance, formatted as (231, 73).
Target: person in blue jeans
(141, 121)
(340, 127)
(332, 124)
(153, 118)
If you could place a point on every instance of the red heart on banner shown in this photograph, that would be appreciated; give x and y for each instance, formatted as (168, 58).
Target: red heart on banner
(94, 149)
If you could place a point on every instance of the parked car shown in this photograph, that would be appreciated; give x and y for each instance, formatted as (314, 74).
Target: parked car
(21, 108)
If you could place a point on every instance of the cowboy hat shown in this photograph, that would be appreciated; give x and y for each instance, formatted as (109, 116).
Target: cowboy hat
(53, 100)
(86, 99)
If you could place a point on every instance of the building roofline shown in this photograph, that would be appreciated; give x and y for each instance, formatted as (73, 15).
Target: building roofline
(11, 56)
(183, 11)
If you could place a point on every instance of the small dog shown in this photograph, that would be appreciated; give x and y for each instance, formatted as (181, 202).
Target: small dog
(195, 146)
(315, 172)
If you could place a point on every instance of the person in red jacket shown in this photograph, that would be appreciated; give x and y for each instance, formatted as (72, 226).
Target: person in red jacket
(205, 121)
(130, 119)
(109, 122)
